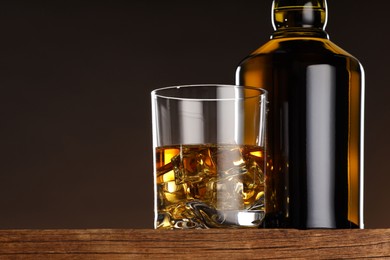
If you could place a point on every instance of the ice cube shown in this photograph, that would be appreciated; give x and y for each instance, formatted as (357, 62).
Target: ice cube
(253, 181)
(170, 193)
(192, 165)
(255, 166)
(229, 193)
(203, 190)
(229, 161)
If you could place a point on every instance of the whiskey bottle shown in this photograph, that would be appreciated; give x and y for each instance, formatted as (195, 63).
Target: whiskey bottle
(315, 120)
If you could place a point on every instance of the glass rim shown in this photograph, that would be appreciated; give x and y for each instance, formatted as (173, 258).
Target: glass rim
(155, 92)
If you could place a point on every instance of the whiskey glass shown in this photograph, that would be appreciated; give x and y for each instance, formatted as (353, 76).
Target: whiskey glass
(209, 156)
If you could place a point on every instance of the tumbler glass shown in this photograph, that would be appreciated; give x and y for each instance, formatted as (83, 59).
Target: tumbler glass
(209, 153)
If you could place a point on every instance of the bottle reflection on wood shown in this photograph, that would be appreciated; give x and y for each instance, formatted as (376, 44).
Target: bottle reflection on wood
(315, 121)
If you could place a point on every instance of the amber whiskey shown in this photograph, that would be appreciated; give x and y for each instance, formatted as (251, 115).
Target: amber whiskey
(209, 186)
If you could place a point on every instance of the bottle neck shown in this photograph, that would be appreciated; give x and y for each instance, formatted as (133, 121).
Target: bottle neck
(299, 18)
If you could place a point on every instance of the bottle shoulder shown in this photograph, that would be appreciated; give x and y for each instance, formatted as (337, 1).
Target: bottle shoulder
(301, 45)
(299, 50)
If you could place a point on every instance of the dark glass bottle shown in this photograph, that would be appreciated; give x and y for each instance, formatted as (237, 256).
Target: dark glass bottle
(315, 120)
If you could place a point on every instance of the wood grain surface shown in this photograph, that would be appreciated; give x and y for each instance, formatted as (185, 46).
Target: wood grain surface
(190, 244)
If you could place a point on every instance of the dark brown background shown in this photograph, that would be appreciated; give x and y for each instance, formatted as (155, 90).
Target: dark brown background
(75, 78)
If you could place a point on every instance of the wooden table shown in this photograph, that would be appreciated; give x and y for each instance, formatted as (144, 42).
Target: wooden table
(192, 244)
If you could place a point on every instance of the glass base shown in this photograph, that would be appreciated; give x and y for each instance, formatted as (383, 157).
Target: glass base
(197, 215)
